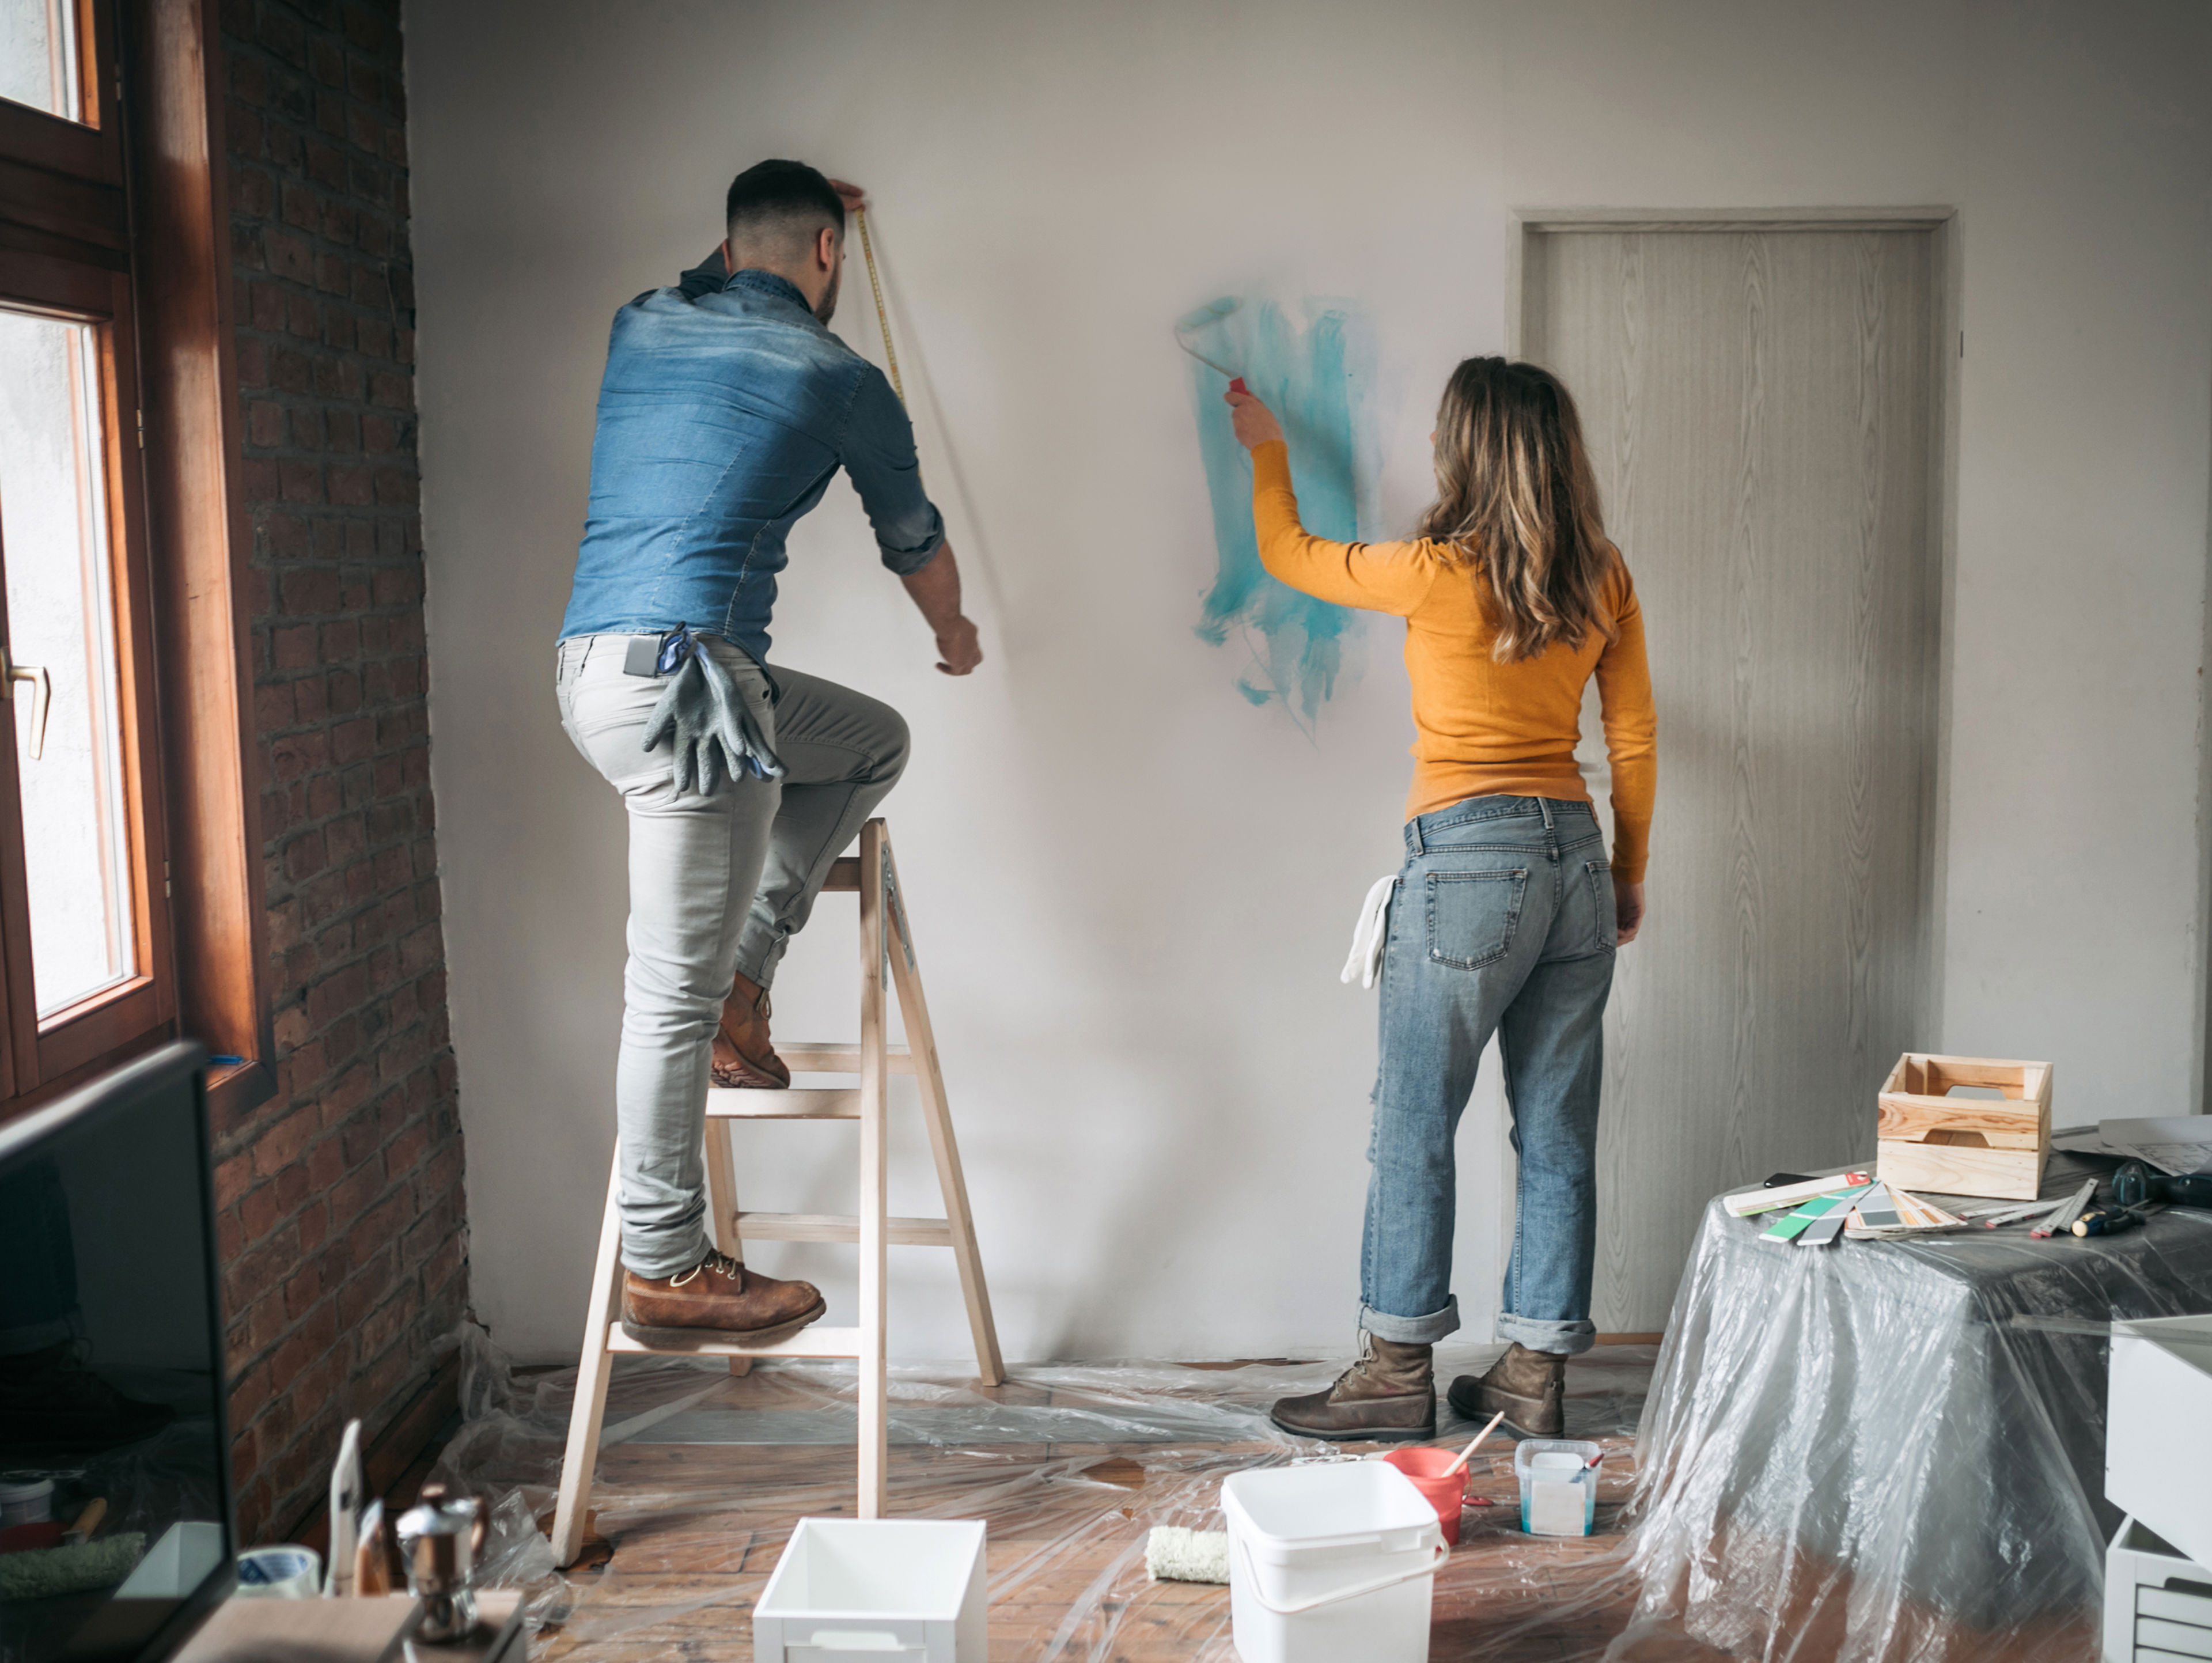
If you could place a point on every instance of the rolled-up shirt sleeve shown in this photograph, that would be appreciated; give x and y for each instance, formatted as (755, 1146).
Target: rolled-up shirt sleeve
(878, 453)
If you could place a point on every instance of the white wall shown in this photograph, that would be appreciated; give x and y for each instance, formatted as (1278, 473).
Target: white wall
(1131, 888)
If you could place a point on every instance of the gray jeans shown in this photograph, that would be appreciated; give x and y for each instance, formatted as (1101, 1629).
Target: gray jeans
(717, 884)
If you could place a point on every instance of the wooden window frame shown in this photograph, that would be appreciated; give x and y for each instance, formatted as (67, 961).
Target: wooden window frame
(122, 219)
(108, 1021)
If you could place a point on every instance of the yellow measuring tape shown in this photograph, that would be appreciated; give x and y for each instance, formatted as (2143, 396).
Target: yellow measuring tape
(883, 318)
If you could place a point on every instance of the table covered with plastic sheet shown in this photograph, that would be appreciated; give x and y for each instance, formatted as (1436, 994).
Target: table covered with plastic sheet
(1893, 1450)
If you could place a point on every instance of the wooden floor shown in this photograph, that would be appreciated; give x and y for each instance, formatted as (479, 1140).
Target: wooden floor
(687, 1533)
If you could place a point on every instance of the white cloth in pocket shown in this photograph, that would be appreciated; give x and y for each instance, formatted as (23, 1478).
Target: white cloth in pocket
(1368, 935)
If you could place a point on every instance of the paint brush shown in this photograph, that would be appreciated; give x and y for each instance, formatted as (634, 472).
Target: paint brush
(371, 1578)
(1461, 1463)
(1208, 318)
(87, 1522)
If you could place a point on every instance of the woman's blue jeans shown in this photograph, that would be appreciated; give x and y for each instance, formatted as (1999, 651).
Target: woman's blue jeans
(1502, 922)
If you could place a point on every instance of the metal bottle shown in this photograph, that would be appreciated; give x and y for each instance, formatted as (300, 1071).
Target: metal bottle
(439, 1540)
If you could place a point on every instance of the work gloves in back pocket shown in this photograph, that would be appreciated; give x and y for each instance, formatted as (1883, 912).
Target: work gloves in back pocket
(714, 734)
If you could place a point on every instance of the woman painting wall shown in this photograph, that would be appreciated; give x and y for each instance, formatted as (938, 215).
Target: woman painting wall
(1507, 912)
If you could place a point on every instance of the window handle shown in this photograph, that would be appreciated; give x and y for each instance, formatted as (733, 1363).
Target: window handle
(42, 700)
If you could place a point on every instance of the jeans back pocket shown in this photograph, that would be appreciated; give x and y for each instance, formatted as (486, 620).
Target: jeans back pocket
(1473, 915)
(1608, 920)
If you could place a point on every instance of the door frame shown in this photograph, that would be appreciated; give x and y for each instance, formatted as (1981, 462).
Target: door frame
(1942, 225)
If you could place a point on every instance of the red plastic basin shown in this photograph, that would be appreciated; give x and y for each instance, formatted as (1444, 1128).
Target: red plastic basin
(1425, 1467)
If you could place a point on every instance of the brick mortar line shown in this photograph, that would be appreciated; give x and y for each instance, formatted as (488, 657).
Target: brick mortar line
(246, 1135)
(350, 962)
(300, 454)
(271, 337)
(396, 751)
(341, 967)
(384, 845)
(290, 675)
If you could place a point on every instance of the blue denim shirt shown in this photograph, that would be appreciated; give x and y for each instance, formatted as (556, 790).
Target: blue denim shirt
(726, 409)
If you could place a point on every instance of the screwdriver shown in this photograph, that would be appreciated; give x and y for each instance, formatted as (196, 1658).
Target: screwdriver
(2109, 1221)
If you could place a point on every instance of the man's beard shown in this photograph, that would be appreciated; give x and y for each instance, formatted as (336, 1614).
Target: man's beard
(827, 308)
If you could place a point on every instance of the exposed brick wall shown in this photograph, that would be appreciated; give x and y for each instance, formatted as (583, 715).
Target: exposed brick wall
(341, 1209)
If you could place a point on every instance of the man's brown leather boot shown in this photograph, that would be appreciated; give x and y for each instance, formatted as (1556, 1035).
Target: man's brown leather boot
(743, 1056)
(1530, 1387)
(1390, 1392)
(716, 1299)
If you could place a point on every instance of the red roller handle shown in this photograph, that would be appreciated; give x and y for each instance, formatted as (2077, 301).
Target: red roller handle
(1237, 385)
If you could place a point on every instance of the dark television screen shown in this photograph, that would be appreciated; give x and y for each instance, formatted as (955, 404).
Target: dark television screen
(110, 1369)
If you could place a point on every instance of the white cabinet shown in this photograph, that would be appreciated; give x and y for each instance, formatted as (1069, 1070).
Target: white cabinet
(2157, 1437)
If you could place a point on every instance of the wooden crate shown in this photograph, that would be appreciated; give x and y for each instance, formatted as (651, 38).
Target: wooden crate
(1929, 1140)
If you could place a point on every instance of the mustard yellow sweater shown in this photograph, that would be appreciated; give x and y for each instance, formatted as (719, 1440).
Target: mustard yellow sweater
(1484, 729)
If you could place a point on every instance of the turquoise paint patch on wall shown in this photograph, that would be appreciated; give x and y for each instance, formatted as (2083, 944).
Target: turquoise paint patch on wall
(1315, 377)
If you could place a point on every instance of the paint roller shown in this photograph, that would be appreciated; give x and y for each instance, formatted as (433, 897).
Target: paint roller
(1173, 1554)
(1204, 335)
(41, 1560)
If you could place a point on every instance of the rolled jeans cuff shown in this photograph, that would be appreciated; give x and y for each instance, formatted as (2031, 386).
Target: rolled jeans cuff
(662, 1259)
(1412, 1330)
(1563, 1340)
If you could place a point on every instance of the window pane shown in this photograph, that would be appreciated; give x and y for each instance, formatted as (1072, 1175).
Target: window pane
(38, 55)
(61, 620)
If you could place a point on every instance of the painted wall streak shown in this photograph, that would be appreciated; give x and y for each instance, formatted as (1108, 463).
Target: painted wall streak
(1315, 378)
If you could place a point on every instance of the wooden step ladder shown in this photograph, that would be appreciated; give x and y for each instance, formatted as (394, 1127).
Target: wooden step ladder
(886, 942)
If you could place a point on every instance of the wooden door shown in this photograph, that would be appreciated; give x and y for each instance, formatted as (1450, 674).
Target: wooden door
(1762, 411)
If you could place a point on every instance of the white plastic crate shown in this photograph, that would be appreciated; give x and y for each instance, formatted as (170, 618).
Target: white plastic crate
(2158, 1605)
(870, 1590)
(2157, 1429)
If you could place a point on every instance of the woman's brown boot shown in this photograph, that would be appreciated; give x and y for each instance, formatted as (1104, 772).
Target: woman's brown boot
(1530, 1387)
(1390, 1392)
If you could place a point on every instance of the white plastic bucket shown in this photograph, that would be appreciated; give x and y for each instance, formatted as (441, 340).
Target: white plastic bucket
(1330, 1563)
(873, 1590)
(26, 1498)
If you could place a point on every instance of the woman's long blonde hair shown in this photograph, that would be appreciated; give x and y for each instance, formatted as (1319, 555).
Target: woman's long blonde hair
(1518, 503)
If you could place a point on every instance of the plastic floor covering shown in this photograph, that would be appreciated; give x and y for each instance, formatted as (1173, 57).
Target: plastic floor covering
(702, 1477)
(1878, 1452)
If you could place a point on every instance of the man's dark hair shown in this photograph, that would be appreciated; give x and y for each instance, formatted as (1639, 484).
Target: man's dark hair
(775, 198)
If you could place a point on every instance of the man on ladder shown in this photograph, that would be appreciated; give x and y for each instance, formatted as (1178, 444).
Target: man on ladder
(726, 408)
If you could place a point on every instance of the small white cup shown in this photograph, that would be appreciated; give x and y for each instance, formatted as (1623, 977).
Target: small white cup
(286, 1572)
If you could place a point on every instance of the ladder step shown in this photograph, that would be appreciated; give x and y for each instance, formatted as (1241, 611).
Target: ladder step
(815, 1341)
(807, 1058)
(840, 1227)
(800, 1103)
(844, 874)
